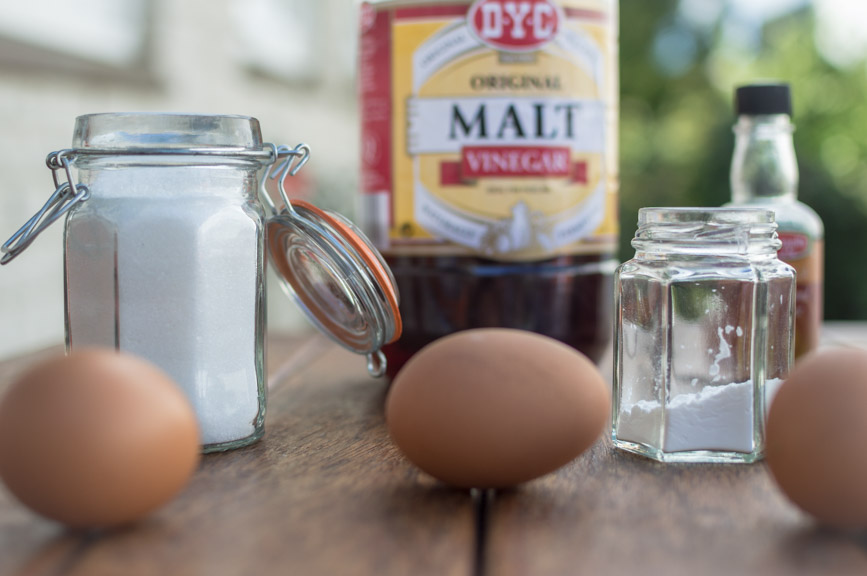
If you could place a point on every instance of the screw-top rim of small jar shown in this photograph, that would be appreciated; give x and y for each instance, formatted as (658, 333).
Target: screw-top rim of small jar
(729, 231)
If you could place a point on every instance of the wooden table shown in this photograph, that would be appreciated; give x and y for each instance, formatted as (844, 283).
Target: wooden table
(325, 492)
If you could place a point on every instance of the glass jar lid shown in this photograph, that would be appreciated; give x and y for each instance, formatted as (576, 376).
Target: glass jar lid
(333, 272)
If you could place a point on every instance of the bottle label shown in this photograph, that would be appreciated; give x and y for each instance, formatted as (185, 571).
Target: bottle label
(806, 257)
(489, 127)
(795, 246)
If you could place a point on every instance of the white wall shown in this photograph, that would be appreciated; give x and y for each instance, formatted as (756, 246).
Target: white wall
(193, 63)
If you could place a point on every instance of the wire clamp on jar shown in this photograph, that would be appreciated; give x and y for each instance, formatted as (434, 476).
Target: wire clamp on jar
(65, 196)
(293, 159)
(323, 260)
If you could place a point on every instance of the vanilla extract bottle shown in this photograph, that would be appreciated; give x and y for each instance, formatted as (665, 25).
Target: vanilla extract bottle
(764, 173)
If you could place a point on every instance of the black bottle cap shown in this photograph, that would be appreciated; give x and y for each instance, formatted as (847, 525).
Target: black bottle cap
(759, 99)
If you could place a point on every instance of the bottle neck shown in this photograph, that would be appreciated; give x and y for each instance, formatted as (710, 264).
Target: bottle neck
(764, 165)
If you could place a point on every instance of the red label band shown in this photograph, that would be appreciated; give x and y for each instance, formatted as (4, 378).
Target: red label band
(794, 246)
(512, 161)
(499, 161)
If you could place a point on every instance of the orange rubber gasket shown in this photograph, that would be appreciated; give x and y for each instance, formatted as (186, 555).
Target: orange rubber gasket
(370, 258)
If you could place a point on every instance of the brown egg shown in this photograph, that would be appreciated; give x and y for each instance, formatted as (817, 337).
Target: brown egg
(96, 439)
(491, 408)
(817, 433)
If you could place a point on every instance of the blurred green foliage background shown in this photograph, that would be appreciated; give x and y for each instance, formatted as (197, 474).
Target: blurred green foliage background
(679, 66)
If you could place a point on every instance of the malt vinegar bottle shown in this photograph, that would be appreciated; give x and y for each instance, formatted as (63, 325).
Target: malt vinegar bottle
(489, 164)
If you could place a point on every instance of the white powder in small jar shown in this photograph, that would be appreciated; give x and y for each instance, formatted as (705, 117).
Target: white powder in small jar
(717, 417)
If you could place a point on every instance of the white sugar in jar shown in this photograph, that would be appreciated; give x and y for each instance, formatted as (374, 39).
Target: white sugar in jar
(165, 259)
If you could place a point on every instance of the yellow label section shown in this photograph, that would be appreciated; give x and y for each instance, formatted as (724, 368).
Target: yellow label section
(510, 154)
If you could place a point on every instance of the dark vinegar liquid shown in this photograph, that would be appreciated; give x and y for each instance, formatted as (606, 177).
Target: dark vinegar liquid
(569, 298)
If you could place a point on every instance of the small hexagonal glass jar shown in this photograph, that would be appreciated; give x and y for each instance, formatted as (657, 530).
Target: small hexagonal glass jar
(703, 334)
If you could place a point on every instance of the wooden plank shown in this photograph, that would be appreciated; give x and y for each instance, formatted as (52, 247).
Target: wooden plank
(613, 513)
(616, 513)
(323, 493)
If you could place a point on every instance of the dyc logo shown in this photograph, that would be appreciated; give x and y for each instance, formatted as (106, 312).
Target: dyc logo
(515, 25)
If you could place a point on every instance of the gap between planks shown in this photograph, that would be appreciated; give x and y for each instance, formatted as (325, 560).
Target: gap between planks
(483, 500)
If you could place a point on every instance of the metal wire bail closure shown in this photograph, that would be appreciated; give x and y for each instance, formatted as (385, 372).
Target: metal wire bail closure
(65, 196)
(325, 263)
(286, 162)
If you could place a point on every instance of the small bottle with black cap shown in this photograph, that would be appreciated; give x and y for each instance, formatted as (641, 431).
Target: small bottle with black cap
(764, 173)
